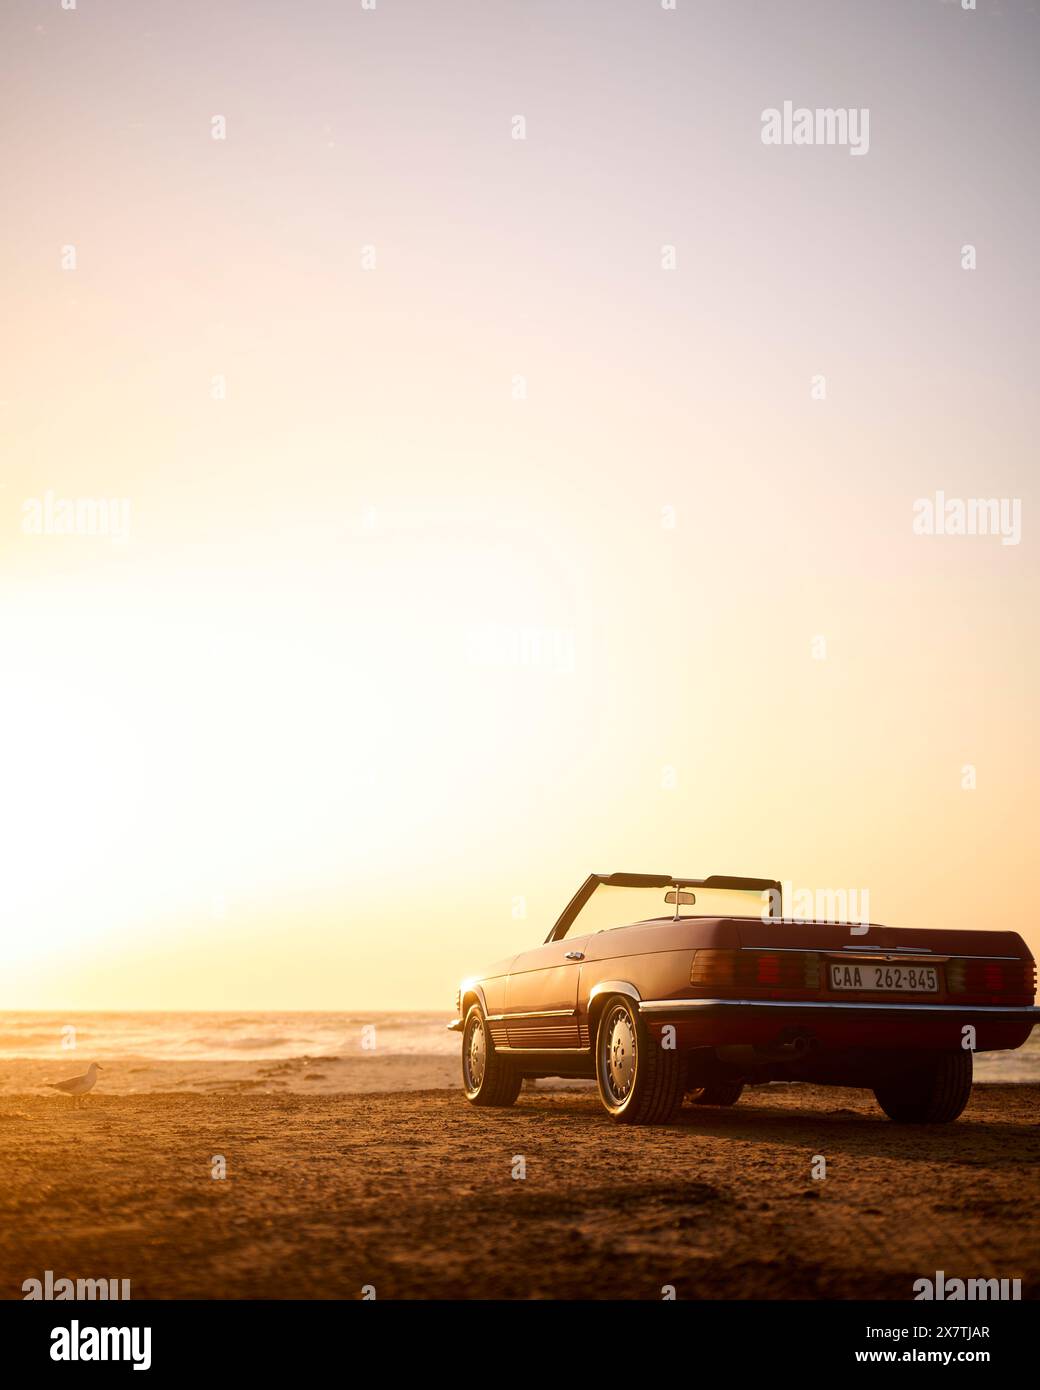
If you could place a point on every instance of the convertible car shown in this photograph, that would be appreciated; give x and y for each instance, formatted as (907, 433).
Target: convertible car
(657, 1006)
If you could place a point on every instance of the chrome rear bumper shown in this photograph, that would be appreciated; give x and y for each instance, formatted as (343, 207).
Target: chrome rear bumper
(1007, 1013)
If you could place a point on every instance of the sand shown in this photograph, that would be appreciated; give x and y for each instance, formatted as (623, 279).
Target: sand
(301, 1075)
(412, 1192)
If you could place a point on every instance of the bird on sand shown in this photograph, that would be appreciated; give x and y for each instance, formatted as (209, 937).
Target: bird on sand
(77, 1086)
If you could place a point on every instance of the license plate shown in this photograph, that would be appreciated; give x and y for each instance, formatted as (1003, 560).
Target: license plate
(884, 977)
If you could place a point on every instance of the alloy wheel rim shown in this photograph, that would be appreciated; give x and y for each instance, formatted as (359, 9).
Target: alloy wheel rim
(476, 1055)
(618, 1058)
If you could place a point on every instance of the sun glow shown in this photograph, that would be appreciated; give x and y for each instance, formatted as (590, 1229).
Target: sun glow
(438, 578)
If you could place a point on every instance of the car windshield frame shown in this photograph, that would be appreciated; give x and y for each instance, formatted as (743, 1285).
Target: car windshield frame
(716, 882)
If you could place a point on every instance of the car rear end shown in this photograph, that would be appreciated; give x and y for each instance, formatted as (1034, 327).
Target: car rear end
(818, 995)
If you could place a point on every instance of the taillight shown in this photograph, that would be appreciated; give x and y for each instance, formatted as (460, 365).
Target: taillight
(714, 969)
(756, 972)
(992, 981)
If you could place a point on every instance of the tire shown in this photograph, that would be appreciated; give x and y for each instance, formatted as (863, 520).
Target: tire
(933, 1094)
(721, 1093)
(487, 1079)
(640, 1082)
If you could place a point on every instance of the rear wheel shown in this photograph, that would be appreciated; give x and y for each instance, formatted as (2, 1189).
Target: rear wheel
(640, 1082)
(721, 1093)
(487, 1078)
(933, 1094)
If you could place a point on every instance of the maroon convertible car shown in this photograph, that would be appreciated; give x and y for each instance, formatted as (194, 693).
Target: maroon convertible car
(657, 1007)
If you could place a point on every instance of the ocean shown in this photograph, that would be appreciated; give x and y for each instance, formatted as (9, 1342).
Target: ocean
(249, 1037)
(224, 1037)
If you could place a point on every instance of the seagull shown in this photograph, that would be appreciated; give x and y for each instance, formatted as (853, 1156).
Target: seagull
(77, 1086)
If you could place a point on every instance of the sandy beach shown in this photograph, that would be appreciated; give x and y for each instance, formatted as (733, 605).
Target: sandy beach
(412, 1192)
(270, 1076)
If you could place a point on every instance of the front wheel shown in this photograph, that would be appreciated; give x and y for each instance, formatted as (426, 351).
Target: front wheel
(640, 1082)
(487, 1079)
(933, 1094)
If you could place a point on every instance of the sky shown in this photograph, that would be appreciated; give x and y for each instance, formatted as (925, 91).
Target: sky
(462, 513)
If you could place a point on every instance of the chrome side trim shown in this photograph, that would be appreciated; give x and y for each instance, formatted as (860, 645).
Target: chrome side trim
(539, 1013)
(535, 1052)
(691, 1006)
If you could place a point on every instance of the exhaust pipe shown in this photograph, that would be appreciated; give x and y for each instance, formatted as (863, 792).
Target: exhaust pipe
(743, 1055)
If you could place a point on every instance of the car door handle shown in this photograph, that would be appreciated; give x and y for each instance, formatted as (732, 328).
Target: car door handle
(575, 955)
